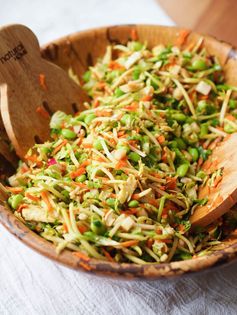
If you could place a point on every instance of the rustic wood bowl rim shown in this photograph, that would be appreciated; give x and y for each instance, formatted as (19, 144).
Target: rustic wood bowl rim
(102, 268)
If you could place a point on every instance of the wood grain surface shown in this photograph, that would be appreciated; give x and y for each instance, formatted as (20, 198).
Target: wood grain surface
(36, 92)
(214, 17)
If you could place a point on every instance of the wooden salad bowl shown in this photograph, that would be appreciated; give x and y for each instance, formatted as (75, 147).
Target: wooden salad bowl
(79, 51)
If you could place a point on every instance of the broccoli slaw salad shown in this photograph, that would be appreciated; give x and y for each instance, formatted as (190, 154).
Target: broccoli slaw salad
(119, 181)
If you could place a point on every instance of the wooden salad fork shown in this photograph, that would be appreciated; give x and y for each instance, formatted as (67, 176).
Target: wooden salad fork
(31, 89)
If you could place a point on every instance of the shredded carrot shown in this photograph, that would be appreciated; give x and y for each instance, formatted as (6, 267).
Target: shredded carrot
(181, 228)
(164, 156)
(24, 168)
(217, 180)
(81, 185)
(161, 139)
(33, 158)
(82, 256)
(200, 161)
(85, 163)
(113, 65)
(230, 117)
(43, 112)
(158, 231)
(22, 206)
(107, 255)
(191, 46)
(78, 172)
(135, 196)
(203, 97)
(59, 147)
(65, 227)
(31, 197)
(153, 202)
(134, 35)
(42, 81)
(120, 164)
(149, 243)
(15, 190)
(129, 243)
(171, 183)
(44, 195)
(133, 107)
(85, 266)
(121, 133)
(129, 211)
(82, 229)
(146, 98)
(103, 113)
(182, 37)
(87, 145)
(96, 103)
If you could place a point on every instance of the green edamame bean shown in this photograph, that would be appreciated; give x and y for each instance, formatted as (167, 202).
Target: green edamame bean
(86, 76)
(136, 74)
(180, 117)
(202, 105)
(199, 64)
(201, 174)
(98, 227)
(133, 156)
(137, 46)
(232, 104)
(133, 204)
(81, 178)
(68, 134)
(203, 130)
(126, 119)
(111, 202)
(180, 143)
(118, 92)
(15, 201)
(122, 145)
(182, 169)
(194, 153)
(98, 145)
(228, 128)
(88, 119)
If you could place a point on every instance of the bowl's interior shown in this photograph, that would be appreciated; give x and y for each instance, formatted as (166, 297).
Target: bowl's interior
(79, 51)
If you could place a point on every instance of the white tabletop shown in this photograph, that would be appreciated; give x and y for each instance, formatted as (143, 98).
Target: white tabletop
(32, 284)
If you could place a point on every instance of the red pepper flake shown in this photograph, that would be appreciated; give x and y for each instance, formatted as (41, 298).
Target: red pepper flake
(42, 81)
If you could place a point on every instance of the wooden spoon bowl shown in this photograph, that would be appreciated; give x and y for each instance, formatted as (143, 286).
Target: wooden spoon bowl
(78, 51)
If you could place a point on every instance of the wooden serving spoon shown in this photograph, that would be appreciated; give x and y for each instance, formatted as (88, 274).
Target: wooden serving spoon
(222, 194)
(31, 89)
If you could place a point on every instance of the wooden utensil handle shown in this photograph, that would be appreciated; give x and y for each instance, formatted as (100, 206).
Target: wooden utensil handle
(28, 83)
